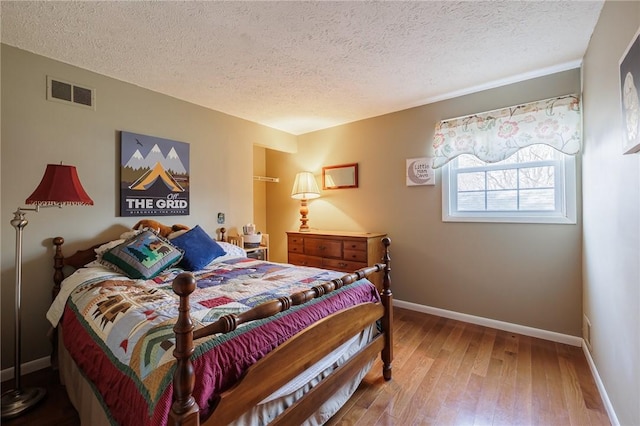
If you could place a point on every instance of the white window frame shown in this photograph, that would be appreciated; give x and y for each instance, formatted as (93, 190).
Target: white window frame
(565, 195)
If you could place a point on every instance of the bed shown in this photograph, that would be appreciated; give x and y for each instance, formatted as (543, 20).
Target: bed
(212, 346)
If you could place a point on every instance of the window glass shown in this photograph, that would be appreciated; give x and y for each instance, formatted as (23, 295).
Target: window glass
(536, 184)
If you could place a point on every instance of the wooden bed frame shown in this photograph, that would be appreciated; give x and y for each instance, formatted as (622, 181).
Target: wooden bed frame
(268, 374)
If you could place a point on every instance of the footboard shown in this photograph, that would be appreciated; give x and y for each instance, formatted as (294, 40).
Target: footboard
(289, 359)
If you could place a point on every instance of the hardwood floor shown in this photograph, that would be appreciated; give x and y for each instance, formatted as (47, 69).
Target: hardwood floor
(445, 372)
(55, 409)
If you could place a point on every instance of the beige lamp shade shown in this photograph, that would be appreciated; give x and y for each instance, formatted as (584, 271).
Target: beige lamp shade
(305, 187)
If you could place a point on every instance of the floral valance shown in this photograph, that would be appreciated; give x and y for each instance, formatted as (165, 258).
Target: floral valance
(495, 135)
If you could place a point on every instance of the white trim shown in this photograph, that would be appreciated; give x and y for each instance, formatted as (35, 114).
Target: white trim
(26, 368)
(487, 322)
(500, 83)
(603, 391)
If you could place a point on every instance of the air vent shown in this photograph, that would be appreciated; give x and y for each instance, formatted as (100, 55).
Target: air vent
(70, 93)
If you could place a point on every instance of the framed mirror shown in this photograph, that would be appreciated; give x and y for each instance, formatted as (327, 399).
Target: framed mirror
(341, 176)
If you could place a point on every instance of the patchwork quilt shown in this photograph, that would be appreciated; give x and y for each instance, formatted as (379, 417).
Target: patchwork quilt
(119, 331)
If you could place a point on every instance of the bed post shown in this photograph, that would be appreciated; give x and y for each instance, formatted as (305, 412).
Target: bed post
(58, 264)
(184, 410)
(387, 320)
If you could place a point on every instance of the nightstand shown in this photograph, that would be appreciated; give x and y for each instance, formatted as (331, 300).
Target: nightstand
(260, 253)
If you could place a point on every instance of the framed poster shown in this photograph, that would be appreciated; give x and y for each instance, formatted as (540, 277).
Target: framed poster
(154, 176)
(630, 96)
(420, 171)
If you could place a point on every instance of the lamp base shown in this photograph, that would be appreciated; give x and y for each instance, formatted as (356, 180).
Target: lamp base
(15, 401)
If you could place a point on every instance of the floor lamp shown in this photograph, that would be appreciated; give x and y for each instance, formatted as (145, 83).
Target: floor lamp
(304, 188)
(60, 186)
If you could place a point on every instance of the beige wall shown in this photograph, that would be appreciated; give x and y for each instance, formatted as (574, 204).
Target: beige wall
(525, 274)
(36, 132)
(611, 216)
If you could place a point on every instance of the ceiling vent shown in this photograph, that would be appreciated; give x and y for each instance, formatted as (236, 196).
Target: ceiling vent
(70, 93)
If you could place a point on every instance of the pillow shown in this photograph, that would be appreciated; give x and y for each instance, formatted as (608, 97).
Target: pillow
(198, 247)
(177, 234)
(108, 246)
(232, 250)
(143, 256)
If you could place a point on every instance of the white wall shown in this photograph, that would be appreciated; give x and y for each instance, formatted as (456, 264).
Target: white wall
(611, 212)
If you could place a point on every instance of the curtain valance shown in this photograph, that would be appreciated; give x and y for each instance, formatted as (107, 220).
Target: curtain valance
(495, 135)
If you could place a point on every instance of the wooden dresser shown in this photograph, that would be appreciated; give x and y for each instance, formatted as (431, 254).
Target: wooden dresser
(339, 251)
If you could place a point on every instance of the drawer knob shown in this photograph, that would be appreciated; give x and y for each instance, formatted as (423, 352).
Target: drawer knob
(342, 264)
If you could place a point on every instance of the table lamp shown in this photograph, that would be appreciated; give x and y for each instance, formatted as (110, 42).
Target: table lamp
(304, 188)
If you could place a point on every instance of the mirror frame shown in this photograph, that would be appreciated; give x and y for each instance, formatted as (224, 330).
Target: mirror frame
(327, 170)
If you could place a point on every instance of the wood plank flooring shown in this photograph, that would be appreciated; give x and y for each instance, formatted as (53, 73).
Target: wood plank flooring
(55, 409)
(448, 372)
(445, 372)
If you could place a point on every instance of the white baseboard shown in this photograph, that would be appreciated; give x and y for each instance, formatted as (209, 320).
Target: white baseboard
(613, 418)
(26, 368)
(500, 325)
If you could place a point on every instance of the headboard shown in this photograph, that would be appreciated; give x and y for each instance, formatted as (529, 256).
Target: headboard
(76, 261)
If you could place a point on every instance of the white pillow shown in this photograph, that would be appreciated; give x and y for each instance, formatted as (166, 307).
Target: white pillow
(176, 234)
(232, 250)
(108, 246)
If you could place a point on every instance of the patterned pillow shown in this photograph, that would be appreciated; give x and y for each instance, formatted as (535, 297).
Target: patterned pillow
(143, 256)
(198, 247)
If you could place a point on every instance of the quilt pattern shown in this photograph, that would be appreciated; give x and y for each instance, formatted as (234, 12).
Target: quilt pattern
(131, 321)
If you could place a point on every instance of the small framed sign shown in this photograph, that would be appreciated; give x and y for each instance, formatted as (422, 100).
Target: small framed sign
(420, 171)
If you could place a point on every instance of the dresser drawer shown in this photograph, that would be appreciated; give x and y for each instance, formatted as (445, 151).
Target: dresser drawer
(355, 245)
(296, 248)
(294, 239)
(323, 247)
(342, 265)
(303, 260)
(355, 255)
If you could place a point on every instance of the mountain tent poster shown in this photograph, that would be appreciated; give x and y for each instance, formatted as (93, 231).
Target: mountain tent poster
(154, 176)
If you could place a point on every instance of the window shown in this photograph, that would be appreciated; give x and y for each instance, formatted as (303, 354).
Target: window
(514, 164)
(537, 184)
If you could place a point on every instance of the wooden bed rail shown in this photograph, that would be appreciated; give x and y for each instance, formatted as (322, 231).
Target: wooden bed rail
(184, 410)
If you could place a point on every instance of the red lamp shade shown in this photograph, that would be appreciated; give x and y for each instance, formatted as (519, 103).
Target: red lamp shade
(60, 185)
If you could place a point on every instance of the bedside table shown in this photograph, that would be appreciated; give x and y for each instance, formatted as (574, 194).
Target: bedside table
(260, 253)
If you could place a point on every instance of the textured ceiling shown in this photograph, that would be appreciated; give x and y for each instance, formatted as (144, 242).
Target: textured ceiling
(304, 66)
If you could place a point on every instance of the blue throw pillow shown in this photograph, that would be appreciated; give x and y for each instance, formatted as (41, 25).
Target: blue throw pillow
(198, 247)
(143, 256)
